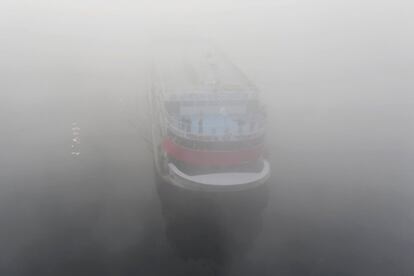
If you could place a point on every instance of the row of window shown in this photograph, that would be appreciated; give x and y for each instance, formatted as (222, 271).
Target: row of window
(173, 107)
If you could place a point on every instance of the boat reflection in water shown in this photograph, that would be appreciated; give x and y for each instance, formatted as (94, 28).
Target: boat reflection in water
(216, 227)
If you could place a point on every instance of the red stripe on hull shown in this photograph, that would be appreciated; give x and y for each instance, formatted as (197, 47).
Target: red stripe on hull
(207, 158)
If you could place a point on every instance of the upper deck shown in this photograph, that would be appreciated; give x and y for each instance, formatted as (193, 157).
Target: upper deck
(196, 68)
(203, 95)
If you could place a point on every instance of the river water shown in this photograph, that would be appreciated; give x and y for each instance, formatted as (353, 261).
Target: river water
(78, 194)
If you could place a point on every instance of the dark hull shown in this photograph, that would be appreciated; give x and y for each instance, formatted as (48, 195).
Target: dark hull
(212, 226)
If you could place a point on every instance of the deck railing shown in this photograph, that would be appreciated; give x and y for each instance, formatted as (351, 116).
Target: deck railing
(179, 128)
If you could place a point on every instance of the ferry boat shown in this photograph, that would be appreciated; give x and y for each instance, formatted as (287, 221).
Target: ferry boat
(208, 125)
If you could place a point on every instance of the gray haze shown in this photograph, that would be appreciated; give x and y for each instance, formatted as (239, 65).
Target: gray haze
(337, 78)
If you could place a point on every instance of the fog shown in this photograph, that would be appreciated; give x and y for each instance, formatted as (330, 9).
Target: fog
(78, 191)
